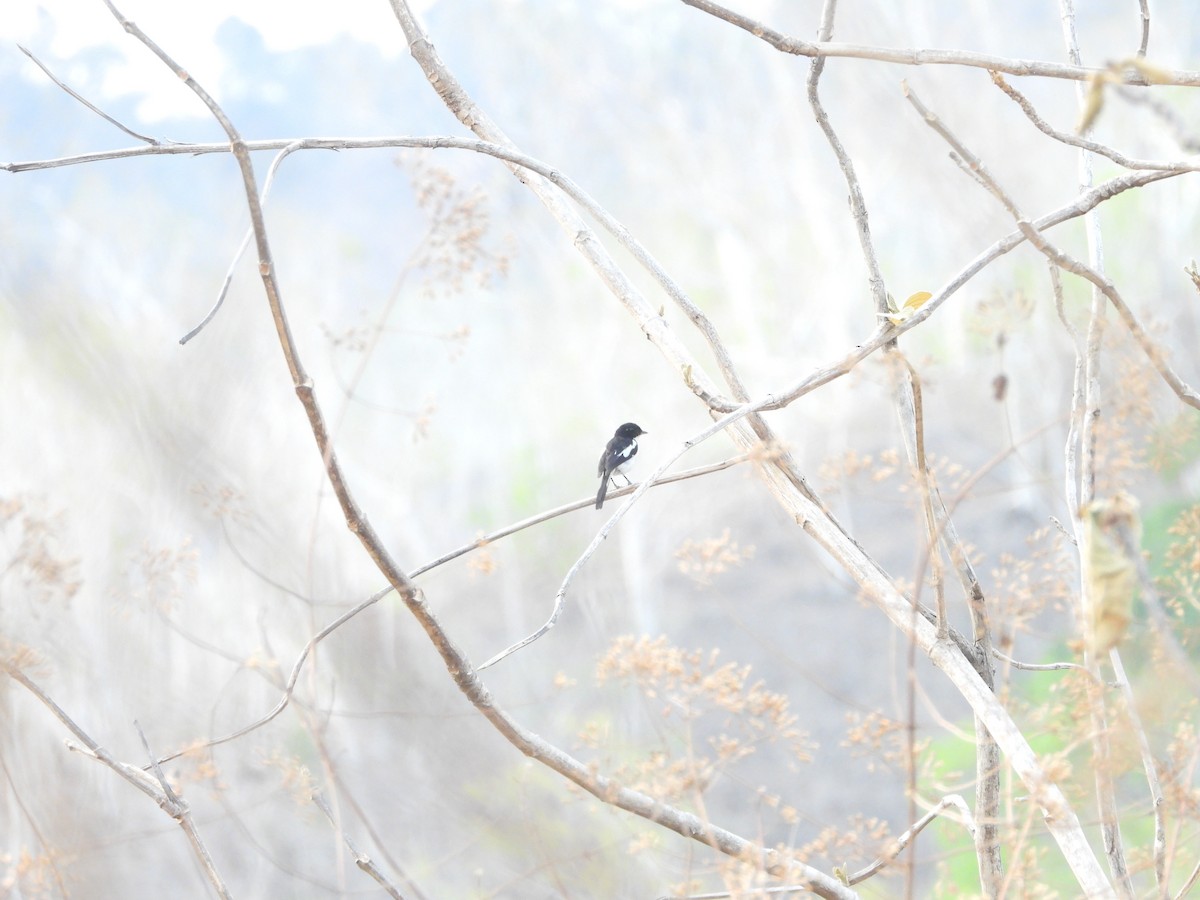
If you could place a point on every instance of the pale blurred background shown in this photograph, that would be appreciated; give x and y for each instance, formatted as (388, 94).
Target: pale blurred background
(486, 402)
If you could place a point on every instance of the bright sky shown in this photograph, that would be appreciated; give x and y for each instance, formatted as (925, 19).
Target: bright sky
(56, 30)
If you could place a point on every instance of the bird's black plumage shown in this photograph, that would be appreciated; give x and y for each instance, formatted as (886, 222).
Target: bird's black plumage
(621, 449)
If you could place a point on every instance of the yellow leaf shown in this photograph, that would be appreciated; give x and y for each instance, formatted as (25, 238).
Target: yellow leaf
(909, 309)
(1092, 105)
(1152, 73)
(917, 300)
(1109, 574)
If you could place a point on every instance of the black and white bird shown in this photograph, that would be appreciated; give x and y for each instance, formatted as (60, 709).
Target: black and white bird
(620, 450)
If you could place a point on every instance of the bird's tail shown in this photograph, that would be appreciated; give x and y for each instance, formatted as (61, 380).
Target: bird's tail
(602, 493)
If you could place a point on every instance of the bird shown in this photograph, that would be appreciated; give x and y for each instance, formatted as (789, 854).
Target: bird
(620, 450)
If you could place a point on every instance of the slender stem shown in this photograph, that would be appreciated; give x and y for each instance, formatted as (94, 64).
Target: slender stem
(361, 859)
(154, 142)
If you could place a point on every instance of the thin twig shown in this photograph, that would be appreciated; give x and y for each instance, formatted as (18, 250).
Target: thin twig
(1189, 883)
(858, 207)
(950, 800)
(1074, 140)
(912, 417)
(1072, 483)
(615, 493)
(360, 859)
(1181, 127)
(910, 409)
(1144, 8)
(345, 795)
(290, 686)
(1035, 667)
(1097, 322)
(1150, 767)
(224, 290)
(154, 142)
(177, 808)
(896, 847)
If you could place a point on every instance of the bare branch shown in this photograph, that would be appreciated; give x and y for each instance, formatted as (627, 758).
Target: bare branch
(160, 792)
(1189, 883)
(1073, 140)
(1150, 767)
(1144, 8)
(97, 110)
(177, 808)
(1036, 667)
(902, 841)
(882, 335)
(290, 686)
(360, 859)
(1029, 67)
(1180, 127)
(588, 503)
(270, 179)
(910, 410)
(858, 207)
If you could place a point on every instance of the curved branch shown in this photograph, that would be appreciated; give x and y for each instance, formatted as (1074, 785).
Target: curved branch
(1073, 140)
(858, 206)
(224, 290)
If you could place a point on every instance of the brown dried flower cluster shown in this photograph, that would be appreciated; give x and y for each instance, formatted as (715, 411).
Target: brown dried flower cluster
(455, 247)
(702, 560)
(723, 716)
(30, 542)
